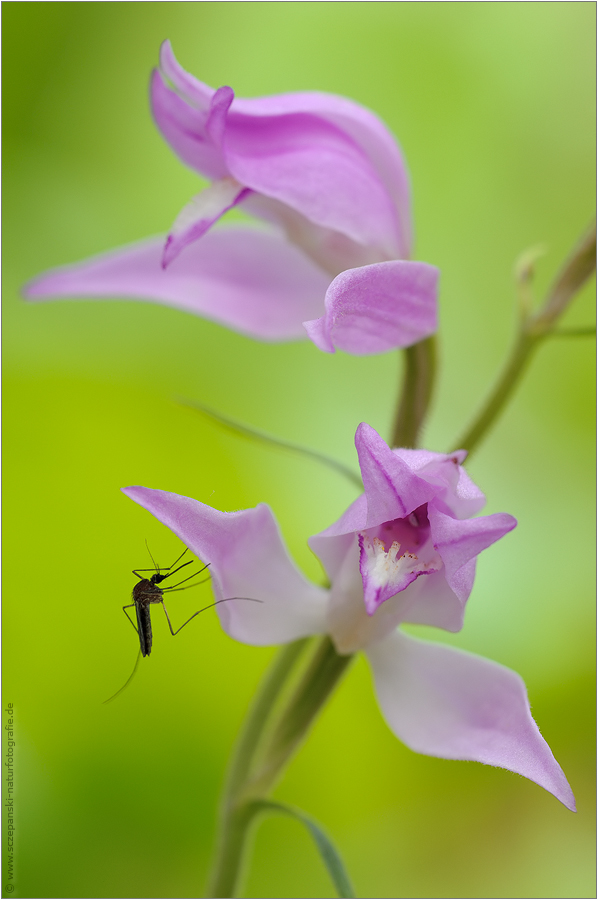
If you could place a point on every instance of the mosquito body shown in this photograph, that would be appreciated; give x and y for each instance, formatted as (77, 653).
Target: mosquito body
(146, 592)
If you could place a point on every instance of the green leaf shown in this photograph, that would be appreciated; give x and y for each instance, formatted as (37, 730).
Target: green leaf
(256, 434)
(330, 855)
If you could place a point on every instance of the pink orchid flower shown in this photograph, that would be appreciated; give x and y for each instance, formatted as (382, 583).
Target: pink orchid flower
(404, 551)
(328, 179)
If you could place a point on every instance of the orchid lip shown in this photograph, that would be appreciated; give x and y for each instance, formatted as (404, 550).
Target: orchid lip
(388, 572)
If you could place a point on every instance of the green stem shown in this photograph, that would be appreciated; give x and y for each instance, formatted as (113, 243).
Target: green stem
(232, 852)
(416, 392)
(320, 678)
(243, 787)
(534, 328)
(233, 821)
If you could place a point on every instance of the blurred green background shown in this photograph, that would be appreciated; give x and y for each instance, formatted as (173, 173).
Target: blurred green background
(493, 104)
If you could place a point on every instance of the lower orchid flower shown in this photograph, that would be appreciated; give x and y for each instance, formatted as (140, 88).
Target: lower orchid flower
(404, 551)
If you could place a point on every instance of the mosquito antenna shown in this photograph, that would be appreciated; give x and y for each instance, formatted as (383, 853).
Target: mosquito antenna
(120, 690)
(180, 557)
(157, 568)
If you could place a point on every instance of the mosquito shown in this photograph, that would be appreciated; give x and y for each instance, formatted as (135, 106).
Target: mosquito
(146, 592)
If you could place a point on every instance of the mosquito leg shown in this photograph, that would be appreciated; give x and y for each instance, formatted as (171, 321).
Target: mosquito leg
(175, 588)
(164, 577)
(185, 579)
(127, 681)
(128, 616)
(224, 600)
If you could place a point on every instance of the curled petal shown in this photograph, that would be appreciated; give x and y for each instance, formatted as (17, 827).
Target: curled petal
(448, 703)
(363, 126)
(323, 156)
(457, 492)
(460, 541)
(312, 166)
(393, 491)
(252, 281)
(377, 308)
(219, 106)
(193, 91)
(199, 215)
(185, 128)
(247, 560)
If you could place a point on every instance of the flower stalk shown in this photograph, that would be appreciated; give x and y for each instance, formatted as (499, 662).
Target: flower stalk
(416, 393)
(254, 769)
(533, 329)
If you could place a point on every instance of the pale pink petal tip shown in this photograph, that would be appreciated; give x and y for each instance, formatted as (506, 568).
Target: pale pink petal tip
(444, 702)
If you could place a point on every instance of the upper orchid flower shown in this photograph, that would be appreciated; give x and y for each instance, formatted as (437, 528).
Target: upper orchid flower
(327, 177)
(404, 551)
(323, 168)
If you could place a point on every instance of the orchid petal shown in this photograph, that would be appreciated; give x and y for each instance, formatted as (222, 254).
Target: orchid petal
(364, 127)
(351, 627)
(460, 541)
(393, 491)
(462, 498)
(322, 156)
(219, 106)
(444, 702)
(388, 572)
(185, 128)
(312, 166)
(247, 560)
(199, 215)
(330, 249)
(379, 307)
(250, 280)
(195, 92)
(434, 603)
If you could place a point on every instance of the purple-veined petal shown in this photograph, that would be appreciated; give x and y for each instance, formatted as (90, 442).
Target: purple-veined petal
(252, 281)
(448, 703)
(379, 307)
(393, 491)
(247, 559)
(459, 541)
(199, 215)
